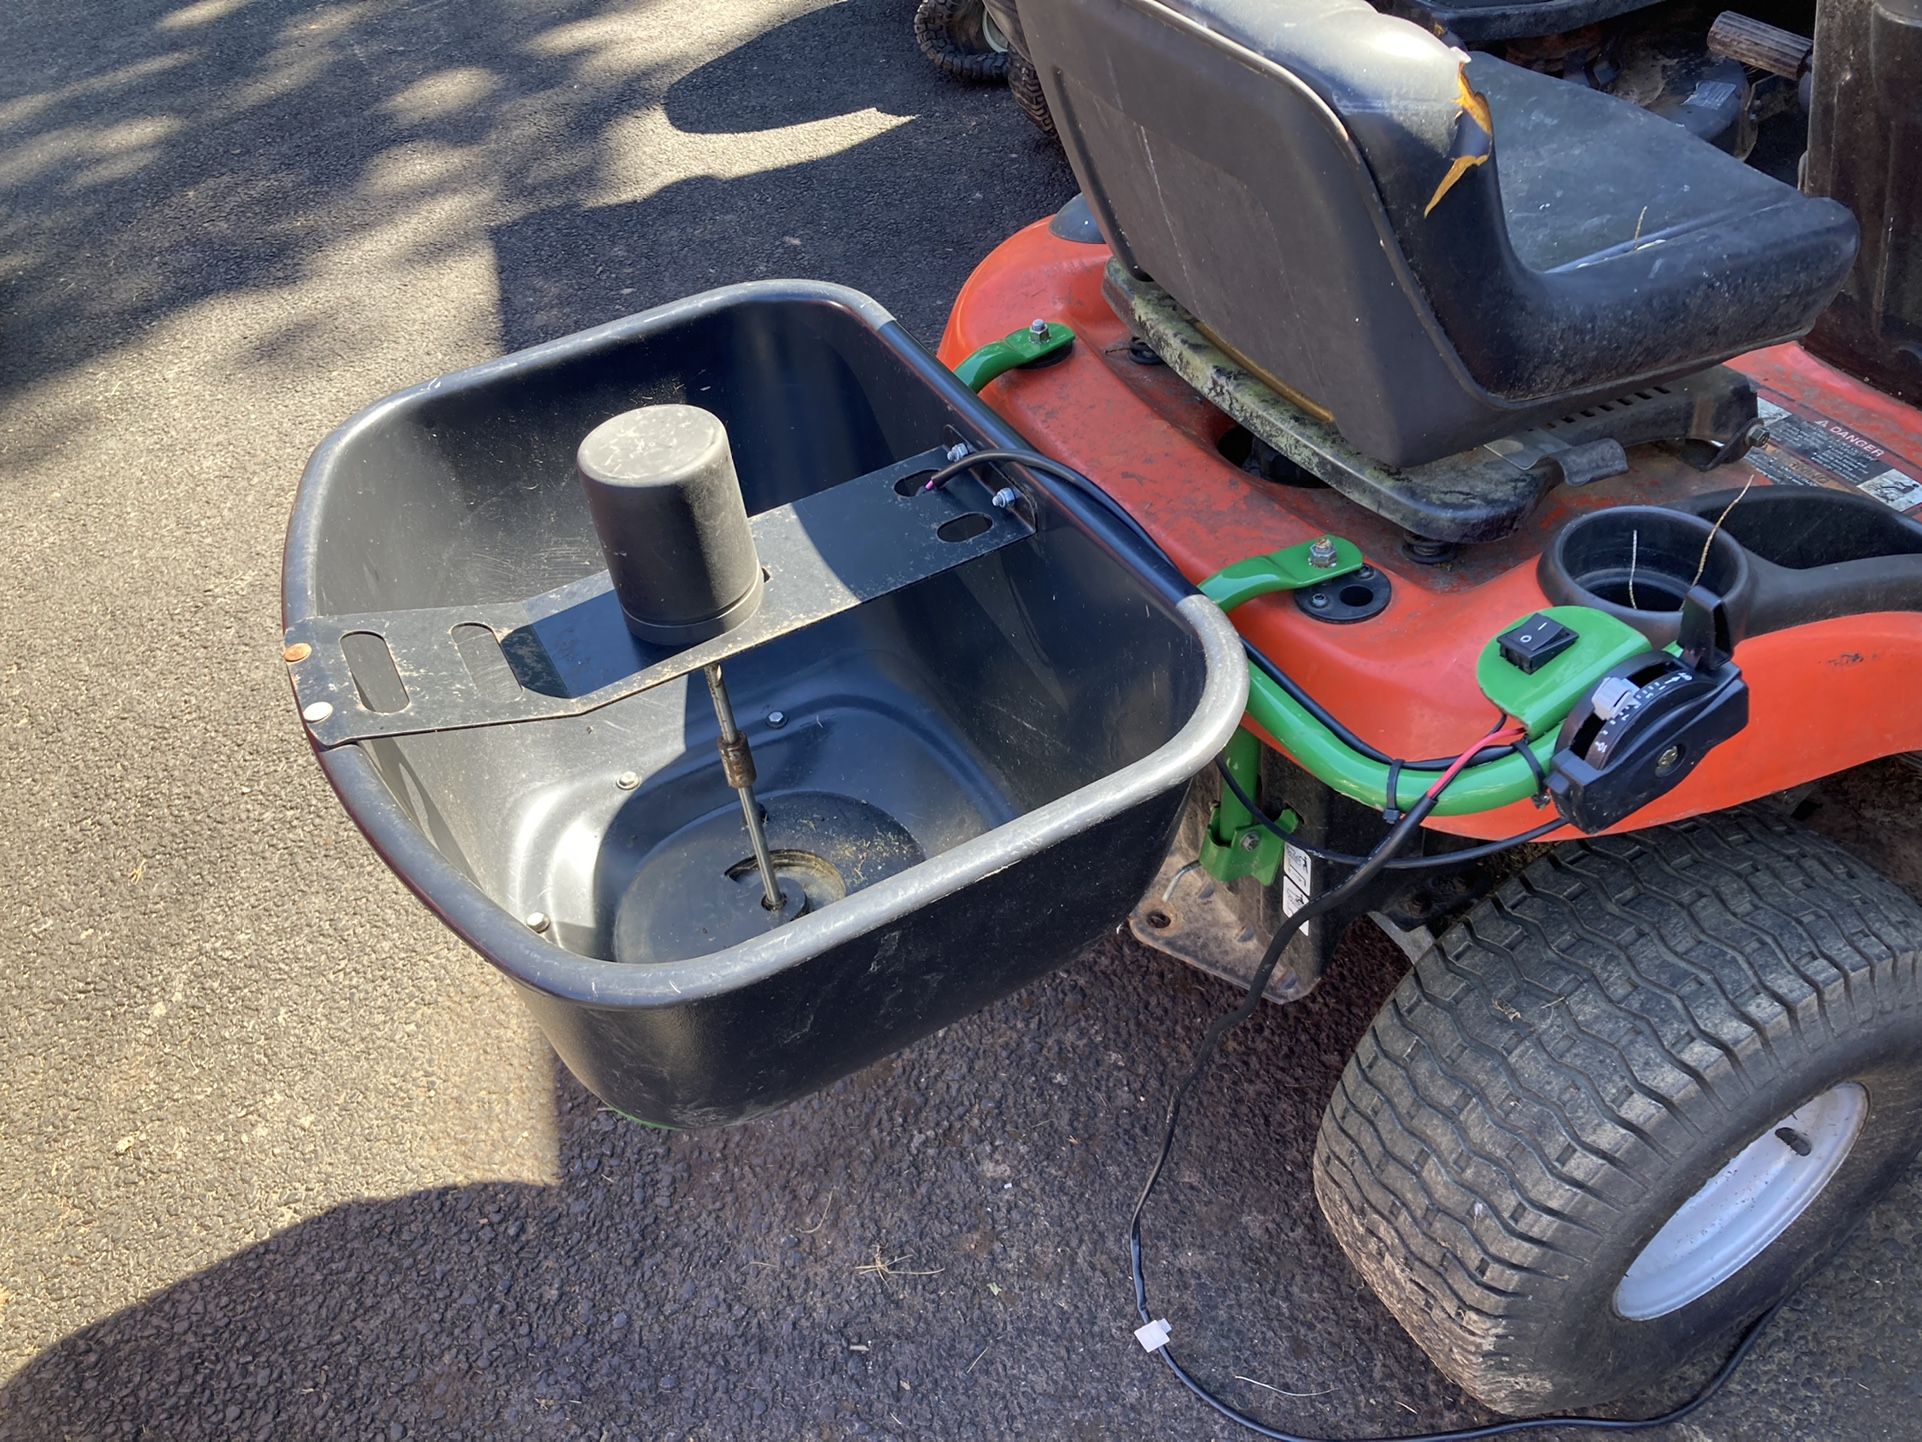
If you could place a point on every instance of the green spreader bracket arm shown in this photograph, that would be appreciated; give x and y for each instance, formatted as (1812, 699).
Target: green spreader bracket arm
(1294, 569)
(1539, 701)
(1029, 346)
(1236, 844)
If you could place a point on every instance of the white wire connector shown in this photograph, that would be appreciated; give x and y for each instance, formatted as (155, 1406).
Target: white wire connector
(1154, 1335)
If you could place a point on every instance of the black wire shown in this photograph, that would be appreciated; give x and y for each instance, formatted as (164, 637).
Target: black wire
(1366, 869)
(1372, 865)
(1398, 836)
(1408, 863)
(1743, 1346)
(1035, 461)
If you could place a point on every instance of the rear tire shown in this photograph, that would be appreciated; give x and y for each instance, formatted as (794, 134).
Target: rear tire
(1699, 1013)
(957, 39)
(1024, 83)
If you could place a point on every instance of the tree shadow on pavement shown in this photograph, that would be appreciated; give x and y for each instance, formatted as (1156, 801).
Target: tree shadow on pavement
(225, 146)
(214, 147)
(816, 219)
(901, 1255)
(932, 1247)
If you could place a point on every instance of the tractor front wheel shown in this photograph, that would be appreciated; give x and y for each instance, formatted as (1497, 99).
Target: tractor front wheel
(1024, 83)
(960, 40)
(1635, 1096)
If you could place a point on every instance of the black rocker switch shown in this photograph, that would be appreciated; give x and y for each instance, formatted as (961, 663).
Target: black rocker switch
(1531, 644)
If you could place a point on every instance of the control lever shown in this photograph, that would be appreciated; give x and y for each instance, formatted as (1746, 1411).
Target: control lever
(1648, 722)
(1707, 639)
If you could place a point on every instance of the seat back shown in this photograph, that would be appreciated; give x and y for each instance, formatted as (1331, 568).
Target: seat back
(1232, 183)
(1322, 186)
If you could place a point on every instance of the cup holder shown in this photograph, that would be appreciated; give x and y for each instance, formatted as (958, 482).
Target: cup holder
(1637, 563)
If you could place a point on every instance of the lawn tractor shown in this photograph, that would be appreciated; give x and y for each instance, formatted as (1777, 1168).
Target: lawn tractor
(1405, 486)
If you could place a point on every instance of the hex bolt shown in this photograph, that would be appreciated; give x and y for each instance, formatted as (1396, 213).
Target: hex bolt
(776, 720)
(1322, 554)
(1668, 760)
(1005, 497)
(628, 780)
(538, 922)
(316, 713)
(1038, 328)
(958, 450)
(1251, 842)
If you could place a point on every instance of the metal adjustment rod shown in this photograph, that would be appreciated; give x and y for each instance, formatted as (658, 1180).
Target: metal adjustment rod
(737, 764)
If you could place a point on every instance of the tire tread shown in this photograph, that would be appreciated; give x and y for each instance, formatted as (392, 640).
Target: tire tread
(1514, 1092)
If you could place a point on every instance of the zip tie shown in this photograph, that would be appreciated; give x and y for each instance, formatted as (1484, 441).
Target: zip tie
(1522, 749)
(1154, 1335)
(1391, 813)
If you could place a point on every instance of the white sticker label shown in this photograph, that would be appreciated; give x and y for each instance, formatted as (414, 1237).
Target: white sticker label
(1297, 882)
(1892, 488)
(1812, 450)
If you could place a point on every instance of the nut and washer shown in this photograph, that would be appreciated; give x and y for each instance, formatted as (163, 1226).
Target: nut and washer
(628, 780)
(1005, 497)
(1251, 842)
(1038, 328)
(1322, 554)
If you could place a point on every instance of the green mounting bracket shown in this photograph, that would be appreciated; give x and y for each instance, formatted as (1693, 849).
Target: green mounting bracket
(1028, 346)
(1236, 844)
(1541, 701)
(1295, 568)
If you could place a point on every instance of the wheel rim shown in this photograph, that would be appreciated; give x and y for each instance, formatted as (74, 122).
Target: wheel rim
(991, 33)
(1748, 1204)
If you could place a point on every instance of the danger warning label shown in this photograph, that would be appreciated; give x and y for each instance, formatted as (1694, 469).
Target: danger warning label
(1811, 451)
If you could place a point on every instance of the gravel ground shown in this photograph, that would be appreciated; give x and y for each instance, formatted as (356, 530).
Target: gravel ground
(277, 1157)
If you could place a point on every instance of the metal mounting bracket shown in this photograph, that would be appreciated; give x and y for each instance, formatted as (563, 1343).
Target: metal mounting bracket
(568, 650)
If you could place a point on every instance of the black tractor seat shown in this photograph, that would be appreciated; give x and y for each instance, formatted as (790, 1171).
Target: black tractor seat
(1433, 249)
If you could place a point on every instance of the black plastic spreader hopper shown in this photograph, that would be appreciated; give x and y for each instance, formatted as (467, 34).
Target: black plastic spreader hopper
(961, 721)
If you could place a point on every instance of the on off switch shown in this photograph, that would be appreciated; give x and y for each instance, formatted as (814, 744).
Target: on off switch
(1531, 644)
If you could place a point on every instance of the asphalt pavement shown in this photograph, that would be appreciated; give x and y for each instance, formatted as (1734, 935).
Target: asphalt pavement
(279, 1158)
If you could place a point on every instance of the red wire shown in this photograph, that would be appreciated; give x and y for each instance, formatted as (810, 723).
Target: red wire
(1501, 736)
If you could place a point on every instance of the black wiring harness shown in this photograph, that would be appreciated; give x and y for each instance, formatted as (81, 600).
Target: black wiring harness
(1440, 862)
(1365, 870)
